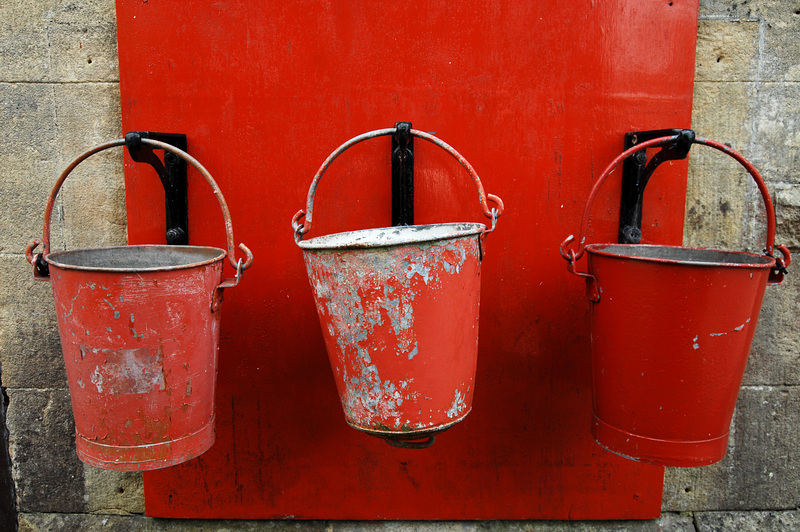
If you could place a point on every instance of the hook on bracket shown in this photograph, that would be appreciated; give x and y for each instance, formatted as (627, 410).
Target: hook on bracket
(636, 172)
(172, 173)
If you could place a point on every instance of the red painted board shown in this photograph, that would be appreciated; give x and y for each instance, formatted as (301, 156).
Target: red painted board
(537, 96)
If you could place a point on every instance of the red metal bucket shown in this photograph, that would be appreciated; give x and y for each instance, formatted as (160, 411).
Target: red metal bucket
(671, 332)
(399, 313)
(139, 329)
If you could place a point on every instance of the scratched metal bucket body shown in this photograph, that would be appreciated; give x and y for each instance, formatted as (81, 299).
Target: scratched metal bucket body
(671, 334)
(399, 313)
(139, 338)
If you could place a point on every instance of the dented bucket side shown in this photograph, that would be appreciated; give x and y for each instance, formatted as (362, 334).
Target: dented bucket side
(401, 330)
(141, 355)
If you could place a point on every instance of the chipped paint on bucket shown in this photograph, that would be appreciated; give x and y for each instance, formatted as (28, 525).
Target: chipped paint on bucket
(670, 339)
(399, 314)
(140, 348)
(139, 329)
(671, 331)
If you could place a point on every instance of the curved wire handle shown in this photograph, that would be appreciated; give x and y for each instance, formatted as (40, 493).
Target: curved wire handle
(156, 144)
(779, 269)
(301, 228)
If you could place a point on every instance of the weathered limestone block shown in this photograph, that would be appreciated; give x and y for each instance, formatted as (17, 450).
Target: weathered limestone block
(726, 50)
(775, 354)
(781, 59)
(47, 127)
(667, 522)
(91, 210)
(779, 21)
(49, 40)
(91, 523)
(748, 521)
(762, 468)
(777, 132)
(720, 211)
(723, 206)
(38, 522)
(787, 212)
(28, 160)
(114, 492)
(46, 470)
(30, 349)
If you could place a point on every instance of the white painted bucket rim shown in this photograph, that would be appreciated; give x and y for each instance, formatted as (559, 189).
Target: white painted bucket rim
(382, 237)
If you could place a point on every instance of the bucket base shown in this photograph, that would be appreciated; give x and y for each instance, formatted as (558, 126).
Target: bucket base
(145, 457)
(413, 439)
(673, 453)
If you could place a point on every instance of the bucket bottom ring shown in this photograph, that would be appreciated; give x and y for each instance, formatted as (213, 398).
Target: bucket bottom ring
(148, 456)
(672, 453)
(414, 439)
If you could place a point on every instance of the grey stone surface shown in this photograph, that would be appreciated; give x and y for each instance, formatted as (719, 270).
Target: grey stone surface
(38, 522)
(787, 207)
(779, 21)
(726, 50)
(8, 498)
(762, 468)
(667, 522)
(58, 41)
(777, 132)
(47, 472)
(28, 159)
(775, 354)
(91, 523)
(30, 349)
(723, 206)
(91, 208)
(748, 521)
(719, 210)
(114, 492)
(781, 60)
(46, 127)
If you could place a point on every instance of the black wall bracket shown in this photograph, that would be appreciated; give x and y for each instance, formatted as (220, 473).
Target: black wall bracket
(636, 172)
(172, 173)
(402, 175)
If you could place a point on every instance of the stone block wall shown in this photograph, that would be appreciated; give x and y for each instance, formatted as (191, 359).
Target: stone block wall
(59, 94)
(747, 94)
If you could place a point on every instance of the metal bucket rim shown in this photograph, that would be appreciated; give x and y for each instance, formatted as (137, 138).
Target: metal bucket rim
(52, 258)
(757, 261)
(374, 238)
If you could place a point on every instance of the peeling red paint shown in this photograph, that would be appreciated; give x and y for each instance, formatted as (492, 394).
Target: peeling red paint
(122, 372)
(400, 322)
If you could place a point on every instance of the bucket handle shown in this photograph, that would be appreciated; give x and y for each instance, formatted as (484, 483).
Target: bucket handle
(779, 264)
(38, 260)
(493, 213)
